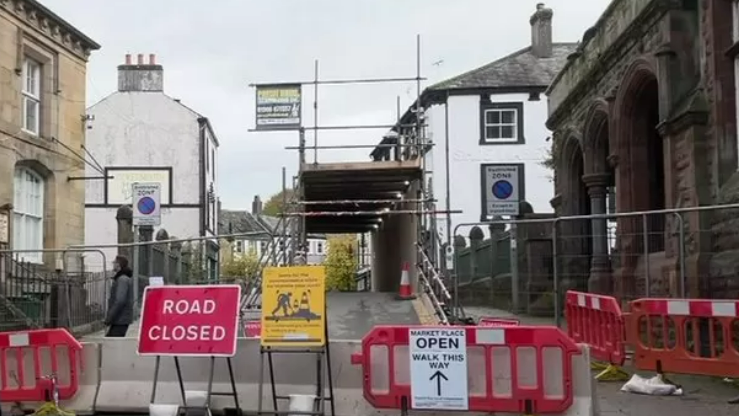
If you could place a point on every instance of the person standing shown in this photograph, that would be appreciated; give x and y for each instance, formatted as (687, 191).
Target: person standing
(120, 301)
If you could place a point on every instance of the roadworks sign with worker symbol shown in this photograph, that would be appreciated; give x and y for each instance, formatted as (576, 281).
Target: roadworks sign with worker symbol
(294, 306)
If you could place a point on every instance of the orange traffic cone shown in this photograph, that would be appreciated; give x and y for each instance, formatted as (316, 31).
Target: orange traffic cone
(405, 292)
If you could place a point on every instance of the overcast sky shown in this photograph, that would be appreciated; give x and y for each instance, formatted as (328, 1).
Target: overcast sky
(211, 53)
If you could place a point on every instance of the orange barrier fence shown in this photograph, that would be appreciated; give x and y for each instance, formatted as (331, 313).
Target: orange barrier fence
(685, 336)
(597, 320)
(679, 336)
(53, 352)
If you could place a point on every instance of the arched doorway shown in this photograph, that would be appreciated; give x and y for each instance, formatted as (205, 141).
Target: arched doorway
(641, 177)
(600, 182)
(648, 163)
(575, 241)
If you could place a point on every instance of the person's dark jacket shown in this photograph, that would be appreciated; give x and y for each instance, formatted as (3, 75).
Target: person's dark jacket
(120, 302)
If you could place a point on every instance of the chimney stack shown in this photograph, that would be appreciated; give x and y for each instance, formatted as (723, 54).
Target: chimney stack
(541, 31)
(256, 206)
(142, 76)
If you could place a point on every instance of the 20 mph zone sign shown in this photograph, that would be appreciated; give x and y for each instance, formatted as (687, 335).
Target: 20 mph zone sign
(190, 320)
(438, 369)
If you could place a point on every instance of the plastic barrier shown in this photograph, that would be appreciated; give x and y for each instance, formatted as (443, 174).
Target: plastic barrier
(29, 358)
(526, 370)
(597, 320)
(489, 321)
(684, 336)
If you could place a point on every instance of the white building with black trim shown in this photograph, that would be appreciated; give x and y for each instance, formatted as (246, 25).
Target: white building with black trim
(488, 118)
(141, 134)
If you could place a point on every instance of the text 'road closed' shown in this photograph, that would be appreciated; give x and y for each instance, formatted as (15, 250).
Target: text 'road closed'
(190, 320)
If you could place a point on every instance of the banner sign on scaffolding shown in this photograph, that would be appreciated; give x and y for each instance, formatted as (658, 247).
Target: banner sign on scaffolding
(278, 107)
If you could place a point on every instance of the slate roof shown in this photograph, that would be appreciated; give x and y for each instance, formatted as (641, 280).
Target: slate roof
(235, 222)
(519, 69)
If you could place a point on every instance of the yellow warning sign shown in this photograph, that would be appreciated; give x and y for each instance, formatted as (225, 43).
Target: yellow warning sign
(294, 306)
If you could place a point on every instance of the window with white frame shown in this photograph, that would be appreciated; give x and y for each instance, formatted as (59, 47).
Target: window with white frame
(239, 246)
(31, 92)
(28, 216)
(501, 123)
(319, 248)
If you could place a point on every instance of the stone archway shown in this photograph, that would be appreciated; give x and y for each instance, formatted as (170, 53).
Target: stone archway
(575, 242)
(599, 180)
(641, 178)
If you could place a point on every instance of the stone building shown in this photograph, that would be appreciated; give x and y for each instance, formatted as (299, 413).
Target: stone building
(645, 110)
(43, 63)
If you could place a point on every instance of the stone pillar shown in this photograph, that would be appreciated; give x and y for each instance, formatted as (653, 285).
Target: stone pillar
(600, 280)
(476, 237)
(146, 233)
(124, 218)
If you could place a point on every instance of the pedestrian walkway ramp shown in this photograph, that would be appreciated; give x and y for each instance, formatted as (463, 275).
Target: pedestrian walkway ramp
(352, 315)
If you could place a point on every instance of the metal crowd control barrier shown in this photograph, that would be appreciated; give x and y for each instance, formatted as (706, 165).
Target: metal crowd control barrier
(597, 320)
(43, 348)
(527, 369)
(684, 336)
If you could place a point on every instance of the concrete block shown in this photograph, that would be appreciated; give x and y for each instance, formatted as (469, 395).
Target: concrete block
(585, 401)
(126, 378)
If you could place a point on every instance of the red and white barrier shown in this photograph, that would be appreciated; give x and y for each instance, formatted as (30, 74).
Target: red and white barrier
(685, 336)
(597, 320)
(522, 369)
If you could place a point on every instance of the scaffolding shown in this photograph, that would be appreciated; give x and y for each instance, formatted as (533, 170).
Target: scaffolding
(412, 144)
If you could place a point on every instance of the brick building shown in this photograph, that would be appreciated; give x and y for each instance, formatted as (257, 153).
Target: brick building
(644, 115)
(43, 63)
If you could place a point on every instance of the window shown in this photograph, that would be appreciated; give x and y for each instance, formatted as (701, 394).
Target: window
(28, 216)
(239, 246)
(319, 248)
(31, 92)
(501, 123)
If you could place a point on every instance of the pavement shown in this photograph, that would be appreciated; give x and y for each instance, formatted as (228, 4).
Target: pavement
(702, 395)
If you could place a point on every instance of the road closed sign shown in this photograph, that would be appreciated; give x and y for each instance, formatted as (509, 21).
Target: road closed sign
(198, 320)
(438, 369)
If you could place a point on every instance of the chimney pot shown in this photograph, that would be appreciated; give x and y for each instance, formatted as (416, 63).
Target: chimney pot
(541, 32)
(141, 77)
(256, 206)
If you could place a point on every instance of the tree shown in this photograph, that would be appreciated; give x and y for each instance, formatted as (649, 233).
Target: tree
(193, 254)
(273, 206)
(241, 267)
(340, 263)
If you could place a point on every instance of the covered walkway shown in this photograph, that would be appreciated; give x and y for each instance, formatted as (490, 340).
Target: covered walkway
(378, 197)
